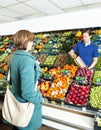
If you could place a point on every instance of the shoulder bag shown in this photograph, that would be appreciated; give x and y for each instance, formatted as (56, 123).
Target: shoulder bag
(16, 113)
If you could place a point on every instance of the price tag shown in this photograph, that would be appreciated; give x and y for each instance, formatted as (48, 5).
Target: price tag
(47, 76)
(65, 72)
(98, 81)
(80, 79)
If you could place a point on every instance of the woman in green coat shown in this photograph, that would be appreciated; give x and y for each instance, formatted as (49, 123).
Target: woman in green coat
(25, 72)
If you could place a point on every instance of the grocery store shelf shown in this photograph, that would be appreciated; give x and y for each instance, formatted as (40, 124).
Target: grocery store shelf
(64, 118)
(76, 110)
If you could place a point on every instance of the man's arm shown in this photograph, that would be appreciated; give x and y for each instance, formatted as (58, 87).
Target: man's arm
(72, 53)
(93, 63)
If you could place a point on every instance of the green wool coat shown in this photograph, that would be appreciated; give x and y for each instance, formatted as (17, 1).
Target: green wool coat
(25, 72)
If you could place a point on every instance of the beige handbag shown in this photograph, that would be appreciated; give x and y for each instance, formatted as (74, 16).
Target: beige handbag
(16, 113)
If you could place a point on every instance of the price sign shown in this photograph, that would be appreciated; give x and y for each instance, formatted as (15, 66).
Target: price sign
(98, 81)
(65, 72)
(80, 79)
(47, 76)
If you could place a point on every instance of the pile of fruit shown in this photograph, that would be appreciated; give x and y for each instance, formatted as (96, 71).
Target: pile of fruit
(98, 65)
(55, 51)
(48, 45)
(59, 87)
(58, 45)
(38, 47)
(85, 72)
(68, 70)
(78, 94)
(73, 69)
(61, 60)
(95, 97)
(97, 76)
(46, 50)
(41, 59)
(3, 56)
(53, 72)
(60, 79)
(44, 86)
(50, 60)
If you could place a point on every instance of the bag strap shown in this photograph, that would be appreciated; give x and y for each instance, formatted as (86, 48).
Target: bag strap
(8, 78)
(8, 75)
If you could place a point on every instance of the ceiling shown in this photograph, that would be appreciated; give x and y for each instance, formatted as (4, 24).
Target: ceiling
(14, 10)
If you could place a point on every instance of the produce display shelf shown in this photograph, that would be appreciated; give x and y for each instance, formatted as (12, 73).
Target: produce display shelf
(60, 102)
(58, 112)
(67, 117)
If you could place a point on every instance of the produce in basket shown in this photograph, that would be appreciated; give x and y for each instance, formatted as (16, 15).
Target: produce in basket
(95, 97)
(59, 87)
(78, 94)
(85, 72)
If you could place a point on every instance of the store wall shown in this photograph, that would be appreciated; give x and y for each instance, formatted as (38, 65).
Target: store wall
(79, 19)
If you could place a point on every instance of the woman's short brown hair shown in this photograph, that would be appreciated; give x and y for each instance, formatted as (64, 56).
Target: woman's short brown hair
(21, 39)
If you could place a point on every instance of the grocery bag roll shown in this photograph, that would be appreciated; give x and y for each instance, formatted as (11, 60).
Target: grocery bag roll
(79, 62)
